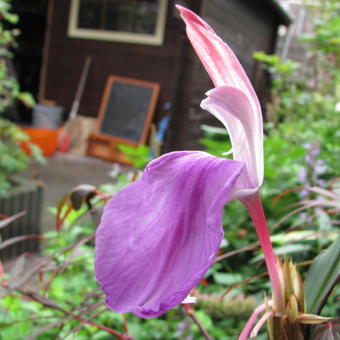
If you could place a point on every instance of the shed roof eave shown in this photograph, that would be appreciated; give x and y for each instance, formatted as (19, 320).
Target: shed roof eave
(283, 14)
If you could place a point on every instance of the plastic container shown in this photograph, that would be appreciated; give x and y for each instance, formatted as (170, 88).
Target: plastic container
(47, 116)
(46, 139)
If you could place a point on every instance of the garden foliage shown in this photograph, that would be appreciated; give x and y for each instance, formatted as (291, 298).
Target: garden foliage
(13, 159)
(55, 295)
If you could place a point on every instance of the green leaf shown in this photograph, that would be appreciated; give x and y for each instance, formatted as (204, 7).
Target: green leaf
(204, 319)
(321, 277)
(12, 18)
(227, 279)
(139, 155)
(212, 131)
(27, 99)
(285, 250)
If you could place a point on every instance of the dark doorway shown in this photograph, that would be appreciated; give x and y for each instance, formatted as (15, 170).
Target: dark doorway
(28, 55)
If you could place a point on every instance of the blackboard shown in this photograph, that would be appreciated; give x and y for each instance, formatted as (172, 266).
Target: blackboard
(127, 108)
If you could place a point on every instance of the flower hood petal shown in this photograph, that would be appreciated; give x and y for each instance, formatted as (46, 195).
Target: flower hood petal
(159, 235)
(225, 71)
(232, 107)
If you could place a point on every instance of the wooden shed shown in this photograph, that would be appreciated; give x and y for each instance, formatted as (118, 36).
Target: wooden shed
(155, 50)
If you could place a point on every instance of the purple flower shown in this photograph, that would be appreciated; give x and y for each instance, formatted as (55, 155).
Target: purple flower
(320, 167)
(159, 235)
(303, 175)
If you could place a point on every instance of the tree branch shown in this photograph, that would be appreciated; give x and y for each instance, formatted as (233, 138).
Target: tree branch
(50, 304)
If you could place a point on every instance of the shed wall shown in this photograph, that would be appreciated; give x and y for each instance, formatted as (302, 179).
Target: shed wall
(65, 57)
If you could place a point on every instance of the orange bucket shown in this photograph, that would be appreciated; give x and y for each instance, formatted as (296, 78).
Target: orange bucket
(46, 139)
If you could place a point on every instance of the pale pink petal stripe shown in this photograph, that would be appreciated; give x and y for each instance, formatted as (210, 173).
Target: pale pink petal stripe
(249, 325)
(260, 323)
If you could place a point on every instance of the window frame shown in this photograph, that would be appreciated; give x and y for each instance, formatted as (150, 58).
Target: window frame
(119, 36)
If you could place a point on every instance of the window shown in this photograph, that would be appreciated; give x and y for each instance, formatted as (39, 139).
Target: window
(131, 21)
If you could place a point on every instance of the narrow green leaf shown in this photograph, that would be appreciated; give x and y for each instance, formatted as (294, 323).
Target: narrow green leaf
(310, 319)
(321, 276)
(226, 278)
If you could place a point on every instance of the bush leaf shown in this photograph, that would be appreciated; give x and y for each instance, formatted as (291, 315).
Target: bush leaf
(321, 277)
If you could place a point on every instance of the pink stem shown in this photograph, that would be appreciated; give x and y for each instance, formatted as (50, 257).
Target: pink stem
(255, 209)
(261, 322)
(249, 325)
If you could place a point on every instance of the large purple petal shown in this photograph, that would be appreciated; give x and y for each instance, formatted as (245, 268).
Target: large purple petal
(159, 235)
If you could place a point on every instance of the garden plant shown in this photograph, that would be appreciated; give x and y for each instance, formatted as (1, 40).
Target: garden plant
(160, 245)
(13, 158)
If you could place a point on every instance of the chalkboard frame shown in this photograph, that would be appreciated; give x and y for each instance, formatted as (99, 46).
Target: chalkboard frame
(149, 114)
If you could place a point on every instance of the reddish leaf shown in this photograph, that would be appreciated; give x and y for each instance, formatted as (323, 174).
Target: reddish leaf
(82, 194)
(16, 239)
(8, 220)
(25, 267)
(327, 331)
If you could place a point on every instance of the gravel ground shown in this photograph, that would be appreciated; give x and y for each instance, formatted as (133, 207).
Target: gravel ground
(61, 173)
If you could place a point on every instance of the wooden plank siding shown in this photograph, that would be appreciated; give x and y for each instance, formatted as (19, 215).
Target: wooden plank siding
(66, 57)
